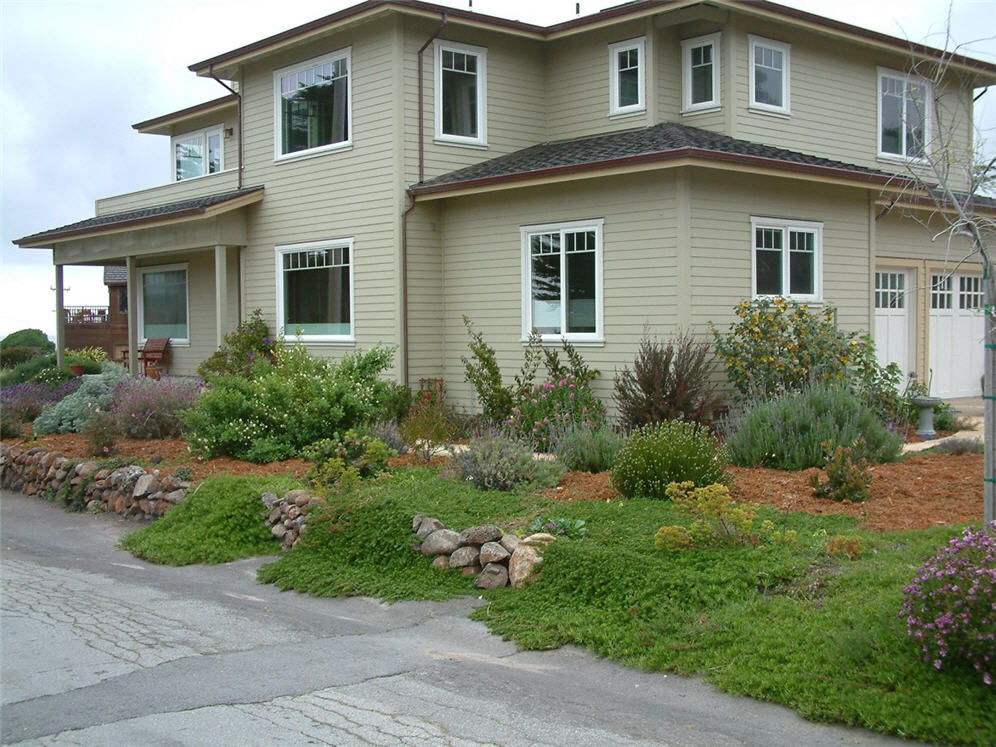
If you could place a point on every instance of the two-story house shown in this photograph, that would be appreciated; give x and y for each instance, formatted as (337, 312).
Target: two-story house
(374, 175)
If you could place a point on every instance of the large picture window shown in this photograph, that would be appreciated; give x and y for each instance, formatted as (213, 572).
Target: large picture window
(902, 113)
(313, 105)
(562, 280)
(315, 291)
(786, 258)
(626, 77)
(700, 74)
(769, 75)
(163, 309)
(461, 93)
(197, 154)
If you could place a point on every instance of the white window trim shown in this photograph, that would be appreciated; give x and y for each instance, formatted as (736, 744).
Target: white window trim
(639, 44)
(687, 107)
(439, 46)
(204, 134)
(784, 225)
(142, 271)
(341, 54)
(596, 337)
(283, 249)
(785, 49)
(927, 114)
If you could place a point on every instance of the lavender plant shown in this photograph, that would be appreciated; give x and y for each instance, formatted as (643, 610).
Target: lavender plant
(150, 408)
(949, 607)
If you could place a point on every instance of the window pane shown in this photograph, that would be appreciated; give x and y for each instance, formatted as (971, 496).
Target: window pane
(316, 294)
(164, 304)
(769, 273)
(545, 282)
(768, 71)
(702, 74)
(581, 291)
(459, 78)
(214, 153)
(313, 107)
(629, 78)
(189, 158)
(915, 120)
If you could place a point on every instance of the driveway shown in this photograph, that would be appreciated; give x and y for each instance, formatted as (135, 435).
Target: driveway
(99, 648)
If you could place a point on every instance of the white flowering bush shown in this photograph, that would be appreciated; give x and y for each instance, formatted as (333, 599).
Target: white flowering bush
(73, 413)
(284, 406)
(662, 453)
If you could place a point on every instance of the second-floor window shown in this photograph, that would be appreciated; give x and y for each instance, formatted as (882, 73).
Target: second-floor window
(197, 153)
(700, 73)
(461, 93)
(769, 75)
(786, 258)
(626, 77)
(902, 112)
(313, 105)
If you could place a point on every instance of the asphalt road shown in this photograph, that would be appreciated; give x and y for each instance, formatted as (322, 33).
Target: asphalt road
(99, 648)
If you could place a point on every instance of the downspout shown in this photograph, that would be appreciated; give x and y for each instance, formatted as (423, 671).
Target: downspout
(408, 193)
(238, 118)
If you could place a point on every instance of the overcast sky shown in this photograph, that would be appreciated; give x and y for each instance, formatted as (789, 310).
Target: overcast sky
(76, 74)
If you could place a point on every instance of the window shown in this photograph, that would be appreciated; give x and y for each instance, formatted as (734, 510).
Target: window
(162, 310)
(315, 291)
(969, 292)
(312, 105)
(461, 93)
(626, 85)
(197, 153)
(890, 290)
(902, 114)
(940, 292)
(786, 258)
(562, 281)
(769, 76)
(700, 74)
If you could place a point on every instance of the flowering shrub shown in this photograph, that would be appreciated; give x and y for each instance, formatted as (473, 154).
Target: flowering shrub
(848, 477)
(552, 405)
(101, 431)
(244, 346)
(81, 355)
(559, 527)
(949, 606)
(74, 411)
(366, 454)
(586, 448)
(286, 405)
(789, 431)
(150, 408)
(662, 453)
(496, 462)
(717, 521)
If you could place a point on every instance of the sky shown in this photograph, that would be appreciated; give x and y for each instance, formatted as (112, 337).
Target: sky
(76, 74)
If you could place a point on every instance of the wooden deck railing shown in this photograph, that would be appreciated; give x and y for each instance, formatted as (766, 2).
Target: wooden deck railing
(89, 315)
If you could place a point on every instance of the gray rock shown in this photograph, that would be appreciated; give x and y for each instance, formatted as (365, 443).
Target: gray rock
(440, 542)
(145, 485)
(509, 542)
(494, 576)
(291, 496)
(87, 468)
(269, 500)
(441, 563)
(279, 531)
(175, 496)
(417, 522)
(493, 552)
(464, 556)
(428, 526)
(480, 534)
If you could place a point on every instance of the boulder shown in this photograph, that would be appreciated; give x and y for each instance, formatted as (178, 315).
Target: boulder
(494, 576)
(441, 563)
(87, 468)
(269, 500)
(541, 539)
(427, 526)
(480, 534)
(291, 496)
(493, 552)
(464, 556)
(440, 542)
(523, 564)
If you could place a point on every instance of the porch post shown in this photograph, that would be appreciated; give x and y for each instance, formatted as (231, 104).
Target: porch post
(60, 319)
(220, 293)
(132, 291)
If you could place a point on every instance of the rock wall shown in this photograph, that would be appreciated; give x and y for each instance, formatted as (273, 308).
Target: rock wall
(128, 491)
(287, 517)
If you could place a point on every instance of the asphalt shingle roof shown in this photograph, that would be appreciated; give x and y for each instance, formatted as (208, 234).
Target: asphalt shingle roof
(657, 142)
(115, 275)
(168, 210)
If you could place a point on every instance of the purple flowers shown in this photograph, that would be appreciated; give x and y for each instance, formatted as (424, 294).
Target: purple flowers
(150, 408)
(552, 405)
(950, 607)
(22, 403)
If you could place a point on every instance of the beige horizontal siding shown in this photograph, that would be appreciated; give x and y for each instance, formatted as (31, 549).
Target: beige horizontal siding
(187, 189)
(898, 235)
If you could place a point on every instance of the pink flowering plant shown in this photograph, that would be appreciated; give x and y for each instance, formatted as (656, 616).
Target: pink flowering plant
(950, 608)
(550, 406)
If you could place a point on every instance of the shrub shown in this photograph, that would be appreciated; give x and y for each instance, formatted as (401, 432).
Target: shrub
(944, 417)
(949, 605)
(72, 414)
(669, 381)
(586, 448)
(57, 376)
(558, 526)
(16, 355)
(285, 406)
(848, 478)
(82, 355)
(22, 403)
(484, 374)
(430, 421)
(396, 403)
(496, 462)
(717, 521)
(28, 370)
(553, 405)
(27, 338)
(387, 431)
(101, 431)
(576, 367)
(957, 446)
(151, 408)
(248, 343)
(366, 454)
(789, 431)
(659, 454)
(847, 546)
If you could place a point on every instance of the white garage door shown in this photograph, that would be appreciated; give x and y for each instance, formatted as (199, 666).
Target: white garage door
(956, 335)
(892, 319)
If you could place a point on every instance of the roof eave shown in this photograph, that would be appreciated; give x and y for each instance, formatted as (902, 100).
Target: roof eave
(159, 125)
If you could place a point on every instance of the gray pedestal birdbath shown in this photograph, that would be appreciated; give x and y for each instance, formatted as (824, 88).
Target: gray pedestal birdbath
(925, 424)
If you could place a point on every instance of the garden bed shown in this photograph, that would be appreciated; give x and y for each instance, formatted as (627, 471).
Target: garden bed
(921, 492)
